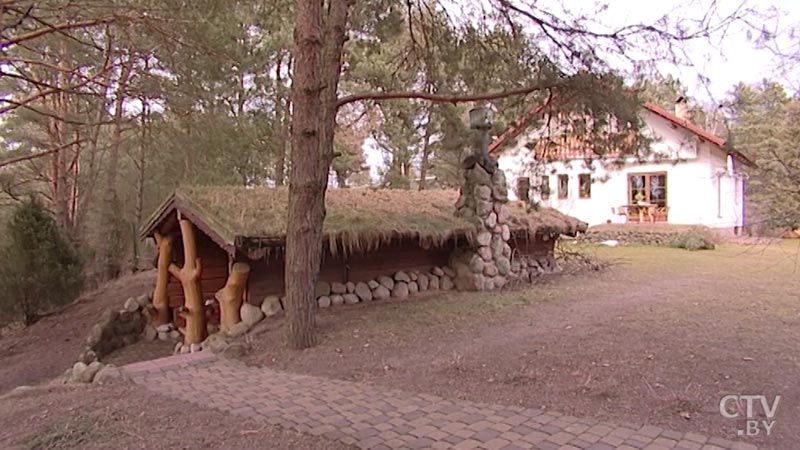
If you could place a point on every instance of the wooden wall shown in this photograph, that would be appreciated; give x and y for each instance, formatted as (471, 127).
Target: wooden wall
(266, 275)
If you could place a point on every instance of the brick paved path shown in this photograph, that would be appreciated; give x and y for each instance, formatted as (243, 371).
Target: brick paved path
(374, 418)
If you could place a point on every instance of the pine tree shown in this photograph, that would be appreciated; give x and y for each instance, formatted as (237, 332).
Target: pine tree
(39, 269)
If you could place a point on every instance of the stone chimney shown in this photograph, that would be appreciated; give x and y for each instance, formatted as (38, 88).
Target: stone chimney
(484, 193)
(681, 108)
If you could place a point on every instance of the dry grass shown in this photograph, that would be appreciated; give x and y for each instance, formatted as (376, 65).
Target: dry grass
(356, 220)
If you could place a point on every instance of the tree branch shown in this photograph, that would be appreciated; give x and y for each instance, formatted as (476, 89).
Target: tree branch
(447, 98)
(11, 161)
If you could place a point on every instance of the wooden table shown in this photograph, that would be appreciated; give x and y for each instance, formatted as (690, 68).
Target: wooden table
(642, 209)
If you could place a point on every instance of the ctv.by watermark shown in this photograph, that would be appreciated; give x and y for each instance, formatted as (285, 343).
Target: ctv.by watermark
(749, 408)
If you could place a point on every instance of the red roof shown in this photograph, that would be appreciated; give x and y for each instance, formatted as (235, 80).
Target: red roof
(683, 123)
(520, 124)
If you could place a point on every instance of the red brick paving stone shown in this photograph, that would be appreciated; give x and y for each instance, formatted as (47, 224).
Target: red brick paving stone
(689, 445)
(372, 418)
(712, 447)
(743, 446)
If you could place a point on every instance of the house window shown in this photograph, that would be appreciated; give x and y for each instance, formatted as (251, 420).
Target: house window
(545, 187)
(648, 188)
(585, 185)
(563, 186)
(524, 189)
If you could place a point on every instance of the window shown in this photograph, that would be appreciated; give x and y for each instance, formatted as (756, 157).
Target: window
(524, 189)
(648, 188)
(563, 186)
(585, 185)
(545, 187)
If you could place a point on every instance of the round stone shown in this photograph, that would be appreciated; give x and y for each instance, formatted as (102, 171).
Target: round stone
(324, 301)
(400, 290)
(337, 299)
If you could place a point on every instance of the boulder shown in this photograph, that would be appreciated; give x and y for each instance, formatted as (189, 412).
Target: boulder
(337, 300)
(490, 270)
(184, 349)
(88, 357)
(476, 264)
(351, 287)
(350, 299)
(437, 271)
(238, 330)
(177, 348)
(324, 301)
(485, 253)
(503, 265)
(503, 213)
(125, 316)
(483, 192)
(505, 232)
(488, 284)
(131, 305)
(193, 348)
(413, 275)
(434, 282)
(163, 335)
(386, 282)
(484, 238)
(91, 370)
(446, 283)
(449, 271)
(491, 220)
(174, 334)
(143, 301)
(216, 343)
(400, 290)
(477, 175)
(413, 288)
(322, 288)
(271, 306)
(251, 314)
(483, 208)
(381, 293)
(363, 292)
(500, 281)
(77, 372)
(497, 245)
(166, 328)
(373, 284)
(95, 335)
(402, 276)
(423, 282)
(515, 266)
(108, 374)
(338, 288)
(506, 250)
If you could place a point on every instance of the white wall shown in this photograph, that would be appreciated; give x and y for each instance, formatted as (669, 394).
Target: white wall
(700, 186)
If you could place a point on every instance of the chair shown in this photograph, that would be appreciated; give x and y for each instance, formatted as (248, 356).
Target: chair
(622, 211)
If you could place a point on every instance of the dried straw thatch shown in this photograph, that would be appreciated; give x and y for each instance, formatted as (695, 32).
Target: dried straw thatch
(356, 219)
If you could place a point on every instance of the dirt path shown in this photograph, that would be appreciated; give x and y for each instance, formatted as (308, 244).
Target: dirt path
(658, 339)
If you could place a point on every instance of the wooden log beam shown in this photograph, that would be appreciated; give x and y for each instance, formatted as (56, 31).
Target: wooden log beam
(189, 276)
(160, 298)
(230, 297)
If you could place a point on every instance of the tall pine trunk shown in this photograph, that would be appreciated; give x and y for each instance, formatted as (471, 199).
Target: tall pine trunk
(318, 41)
(111, 235)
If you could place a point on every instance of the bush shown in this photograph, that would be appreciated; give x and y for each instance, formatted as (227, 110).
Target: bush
(694, 239)
(39, 268)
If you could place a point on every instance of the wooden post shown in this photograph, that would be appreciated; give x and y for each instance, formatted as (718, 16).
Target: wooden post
(160, 300)
(230, 296)
(193, 310)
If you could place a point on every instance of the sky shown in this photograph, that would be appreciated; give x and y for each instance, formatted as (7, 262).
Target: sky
(725, 60)
(713, 66)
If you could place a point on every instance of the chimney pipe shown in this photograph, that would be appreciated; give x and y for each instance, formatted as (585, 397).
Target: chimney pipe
(681, 108)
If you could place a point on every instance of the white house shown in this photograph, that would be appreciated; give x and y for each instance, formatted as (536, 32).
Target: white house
(688, 179)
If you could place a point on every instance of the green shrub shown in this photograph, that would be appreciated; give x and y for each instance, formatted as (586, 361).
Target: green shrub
(695, 239)
(39, 268)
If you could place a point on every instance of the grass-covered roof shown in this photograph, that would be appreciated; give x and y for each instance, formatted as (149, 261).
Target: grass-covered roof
(356, 219)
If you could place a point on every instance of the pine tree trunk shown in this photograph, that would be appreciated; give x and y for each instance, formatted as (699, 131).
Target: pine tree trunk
(314, 90)
(423, 164)
(112, 252)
